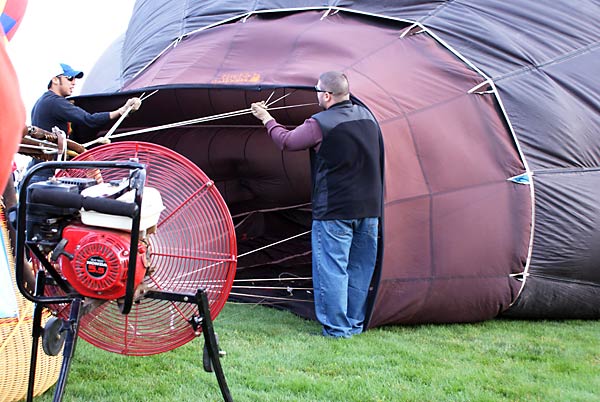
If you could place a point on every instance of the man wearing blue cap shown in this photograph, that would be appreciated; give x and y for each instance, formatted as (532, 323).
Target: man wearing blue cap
(52, 109)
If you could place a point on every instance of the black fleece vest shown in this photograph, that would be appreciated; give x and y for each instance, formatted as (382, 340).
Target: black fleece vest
(347, 169)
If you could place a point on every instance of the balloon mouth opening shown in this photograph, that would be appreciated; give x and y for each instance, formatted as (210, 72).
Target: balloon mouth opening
(267, 191)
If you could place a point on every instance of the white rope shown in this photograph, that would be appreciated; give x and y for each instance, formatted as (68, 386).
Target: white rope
(270, 210)
(217, 117)
(143, 96)
(279, 261)
(273, 244)
(270, 297)
(270, 287)
(188, 122)
(241, 255)
(115, 126)
(117, 123)
(270, 96)
(278, 99)
(220, 282)
(273, 279)
(201, 120)
(207, 118)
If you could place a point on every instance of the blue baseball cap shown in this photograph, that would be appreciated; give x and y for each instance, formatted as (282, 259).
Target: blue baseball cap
(67, 71)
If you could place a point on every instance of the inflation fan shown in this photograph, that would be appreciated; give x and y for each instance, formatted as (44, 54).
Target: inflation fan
(134, 250)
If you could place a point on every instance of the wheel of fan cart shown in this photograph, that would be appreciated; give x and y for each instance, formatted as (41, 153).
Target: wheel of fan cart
(193, 247)
(53, 337)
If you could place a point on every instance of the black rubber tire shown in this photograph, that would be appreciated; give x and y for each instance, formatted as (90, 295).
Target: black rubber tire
(53, 338)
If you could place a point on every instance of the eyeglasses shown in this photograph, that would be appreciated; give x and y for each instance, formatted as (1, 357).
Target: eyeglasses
(316, 88)
(68, 78)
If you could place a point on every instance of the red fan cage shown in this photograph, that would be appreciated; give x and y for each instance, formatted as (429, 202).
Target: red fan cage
(194, 247)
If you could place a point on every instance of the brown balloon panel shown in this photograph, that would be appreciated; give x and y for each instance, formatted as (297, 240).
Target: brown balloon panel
(459, 240)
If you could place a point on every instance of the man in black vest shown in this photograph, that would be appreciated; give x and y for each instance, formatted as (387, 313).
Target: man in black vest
(346, 162)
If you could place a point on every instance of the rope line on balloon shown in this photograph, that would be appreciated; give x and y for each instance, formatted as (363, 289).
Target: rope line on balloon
(250, 213)
(220, 282)
(217, 286)
(110, 132)
(270, 287)
(272, 300)
(299, 278)
(229, 260)
(114, 127)
(193, 121)
(273, 244)
(247, 215)
(50, 148)
(215, 263)
(204, 119)
(263, 297)
(279, 261)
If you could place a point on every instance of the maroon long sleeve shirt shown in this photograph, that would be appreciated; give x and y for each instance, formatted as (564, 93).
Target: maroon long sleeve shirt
(305, 136)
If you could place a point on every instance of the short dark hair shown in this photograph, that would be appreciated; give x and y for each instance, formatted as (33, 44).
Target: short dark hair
(50, 82)
(335, 82)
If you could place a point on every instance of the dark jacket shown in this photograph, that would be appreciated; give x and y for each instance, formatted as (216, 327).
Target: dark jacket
(347, 170)
(53, 110)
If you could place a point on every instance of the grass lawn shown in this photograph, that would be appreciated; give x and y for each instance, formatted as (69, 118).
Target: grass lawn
(276, 356)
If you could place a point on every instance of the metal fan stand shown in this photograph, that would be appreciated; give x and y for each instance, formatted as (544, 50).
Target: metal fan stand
(66, 331)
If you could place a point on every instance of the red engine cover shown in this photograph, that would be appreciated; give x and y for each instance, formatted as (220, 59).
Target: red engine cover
(98, 268)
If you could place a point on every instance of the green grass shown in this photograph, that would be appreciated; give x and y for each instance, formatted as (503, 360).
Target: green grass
(276, 356)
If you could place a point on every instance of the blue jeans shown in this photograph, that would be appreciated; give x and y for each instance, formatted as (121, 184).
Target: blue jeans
(344, 253)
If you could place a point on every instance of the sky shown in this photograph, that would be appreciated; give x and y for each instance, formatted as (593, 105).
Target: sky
(59, 31)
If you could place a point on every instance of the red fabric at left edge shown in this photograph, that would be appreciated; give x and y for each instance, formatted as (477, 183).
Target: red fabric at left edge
(12, 115)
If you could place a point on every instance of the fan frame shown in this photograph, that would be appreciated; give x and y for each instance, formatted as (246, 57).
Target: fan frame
(76, 301)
